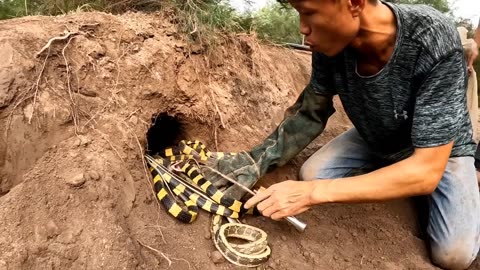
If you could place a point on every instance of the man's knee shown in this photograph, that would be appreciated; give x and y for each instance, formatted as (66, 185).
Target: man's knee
(455, 256)
(308, 171)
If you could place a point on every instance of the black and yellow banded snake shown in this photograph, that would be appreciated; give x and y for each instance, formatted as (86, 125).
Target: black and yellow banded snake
(177, 178)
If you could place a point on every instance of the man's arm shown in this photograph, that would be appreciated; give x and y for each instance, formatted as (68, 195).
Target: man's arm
(303, 121)
(416, 175)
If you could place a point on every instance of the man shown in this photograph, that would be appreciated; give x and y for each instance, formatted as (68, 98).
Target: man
(401, 75)
(474, 54)
(471, 59)
(471, 52)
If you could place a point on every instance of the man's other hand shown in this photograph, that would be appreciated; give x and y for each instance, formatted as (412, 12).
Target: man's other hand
(283, 199)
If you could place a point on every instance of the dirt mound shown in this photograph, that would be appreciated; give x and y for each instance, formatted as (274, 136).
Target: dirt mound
(74, 190)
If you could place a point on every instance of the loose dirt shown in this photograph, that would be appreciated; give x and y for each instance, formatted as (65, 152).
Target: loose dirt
(74, 192)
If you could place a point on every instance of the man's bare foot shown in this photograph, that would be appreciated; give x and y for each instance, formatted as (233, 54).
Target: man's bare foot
(478, 177)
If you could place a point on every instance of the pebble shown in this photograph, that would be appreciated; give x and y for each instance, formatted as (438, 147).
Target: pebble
(52, 229)
(133, 120)
(77, 142)
(85, 141)
(208, 235)
(76, 181)
(217, 257)
(284, 238)
(94, 175)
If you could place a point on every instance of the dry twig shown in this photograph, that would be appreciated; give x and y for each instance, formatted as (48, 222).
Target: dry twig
(169, 260)
(157, 251)
(216, 141)
(49, 43)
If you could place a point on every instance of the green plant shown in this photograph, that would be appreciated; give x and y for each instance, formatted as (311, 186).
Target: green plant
(277, 23)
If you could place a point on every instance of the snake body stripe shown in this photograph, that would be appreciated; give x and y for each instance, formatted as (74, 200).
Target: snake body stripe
(186, 216)
(189, 198)
(194, 174)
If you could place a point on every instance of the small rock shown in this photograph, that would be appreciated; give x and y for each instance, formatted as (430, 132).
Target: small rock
(196, 49)
(76, 181)
(133, 120)
(346, 259)
(77, 142)
(170, 33)
(135, 48)
(28, 111)
(208, 235)
(217, 257)
(335, 257)
(284, 238)
(66, 237)
(88, 93)
(277, 261)
(94, 175)
(52, 229)
(85, 141)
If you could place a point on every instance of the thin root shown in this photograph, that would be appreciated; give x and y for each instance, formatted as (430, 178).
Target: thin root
(72, 101)
(49, 43)
(36, 86)
(157, 251)
(169, 260)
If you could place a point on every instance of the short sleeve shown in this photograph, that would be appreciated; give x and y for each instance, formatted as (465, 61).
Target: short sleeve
(440, 106)
(321, 80)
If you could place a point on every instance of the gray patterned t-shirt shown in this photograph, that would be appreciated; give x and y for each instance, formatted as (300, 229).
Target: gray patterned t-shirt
(417, 100)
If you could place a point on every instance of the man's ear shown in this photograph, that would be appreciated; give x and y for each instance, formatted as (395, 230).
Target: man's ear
(356, 7)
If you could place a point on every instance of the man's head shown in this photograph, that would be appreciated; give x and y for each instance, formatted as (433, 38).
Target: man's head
(330, 25)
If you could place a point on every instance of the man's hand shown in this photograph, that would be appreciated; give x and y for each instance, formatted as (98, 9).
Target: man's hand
(283, 199)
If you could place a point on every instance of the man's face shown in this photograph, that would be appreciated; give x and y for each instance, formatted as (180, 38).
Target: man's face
(328, 25)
